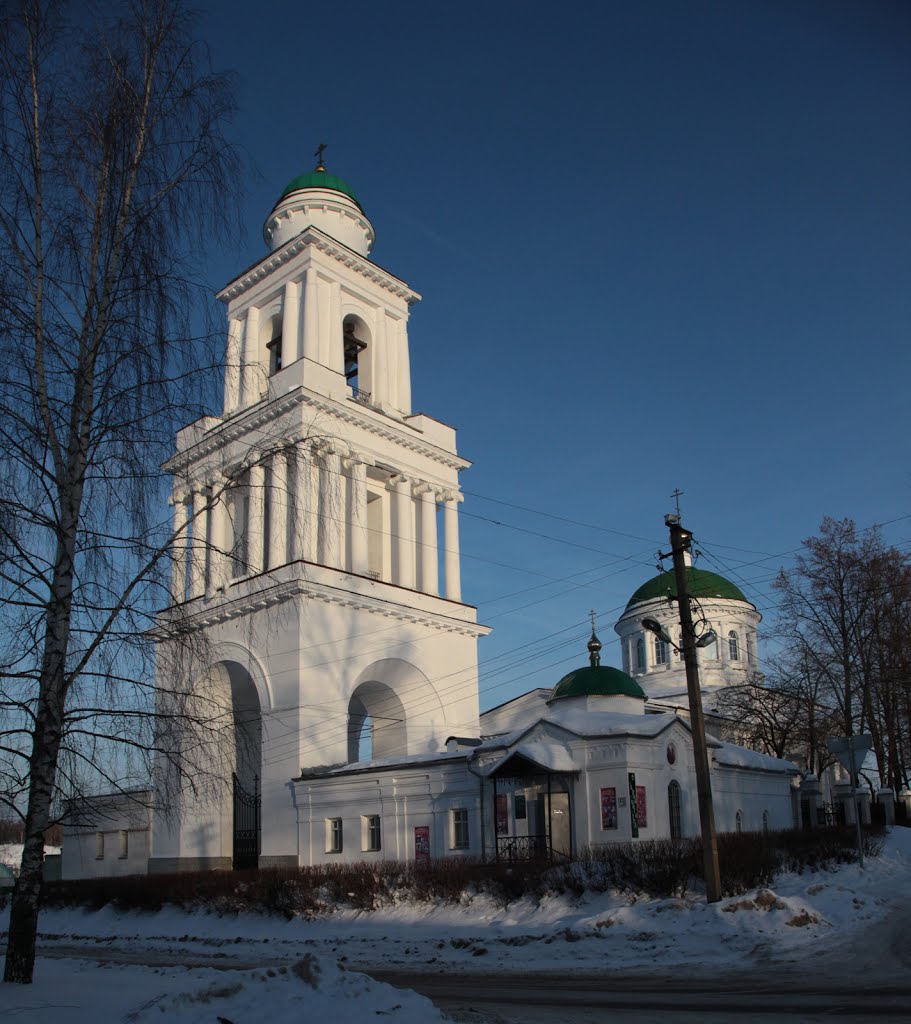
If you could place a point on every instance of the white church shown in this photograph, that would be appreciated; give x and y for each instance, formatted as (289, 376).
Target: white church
(319, 570)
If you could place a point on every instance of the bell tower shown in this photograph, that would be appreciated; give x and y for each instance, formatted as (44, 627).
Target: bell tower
(320, 516)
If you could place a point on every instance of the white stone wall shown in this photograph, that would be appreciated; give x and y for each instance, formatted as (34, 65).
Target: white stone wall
(107, 836)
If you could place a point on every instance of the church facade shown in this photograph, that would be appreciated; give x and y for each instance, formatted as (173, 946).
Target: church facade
(318, 567)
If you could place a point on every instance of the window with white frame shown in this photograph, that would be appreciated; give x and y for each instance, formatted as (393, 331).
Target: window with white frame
(99, 846)
(372, 833)
(460, 839)
(660, 651)
(333, 835)
(734, 645)
(123, 844)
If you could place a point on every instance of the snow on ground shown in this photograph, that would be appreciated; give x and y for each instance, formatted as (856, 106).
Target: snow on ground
(814, 916)
(11, 854)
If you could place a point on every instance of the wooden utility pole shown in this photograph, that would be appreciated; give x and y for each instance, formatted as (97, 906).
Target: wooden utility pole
(680, 543)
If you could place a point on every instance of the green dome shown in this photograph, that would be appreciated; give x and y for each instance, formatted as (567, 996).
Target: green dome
(701, 584)
(320, 179)
(596, 681)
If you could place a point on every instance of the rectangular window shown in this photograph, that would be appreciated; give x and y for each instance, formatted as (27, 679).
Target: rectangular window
(641, 807)
(460, 829)
(608, 807)
(521, 807)
(124, 845)
(372, 833)
(502, 812)
(333, 835)
(99, 846)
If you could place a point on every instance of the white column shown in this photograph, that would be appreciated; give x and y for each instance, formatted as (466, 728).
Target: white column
(232, 366)
(357, 515)
(301, 512)
(379, 360)
(198, 553)
(330, 509)
(451, 542)
(291, 335)
(219, 536)
(250, 369)
(255, 504)
(278, 512)
(179, 551)
(310, 340)
(335, 358)
(430, 573)
(404, 367)
(403, 533)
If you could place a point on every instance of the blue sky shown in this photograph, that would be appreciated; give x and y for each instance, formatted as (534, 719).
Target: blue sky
(660, 245)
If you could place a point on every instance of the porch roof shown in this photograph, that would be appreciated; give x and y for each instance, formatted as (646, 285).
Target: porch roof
(549, 757)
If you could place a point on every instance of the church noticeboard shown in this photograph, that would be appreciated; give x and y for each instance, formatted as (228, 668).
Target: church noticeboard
(422, 844)
(633, 807)
(502, 815)
(641, 809)
(608, 808)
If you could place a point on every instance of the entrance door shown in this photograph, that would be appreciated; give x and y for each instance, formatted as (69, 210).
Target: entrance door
(560, 826)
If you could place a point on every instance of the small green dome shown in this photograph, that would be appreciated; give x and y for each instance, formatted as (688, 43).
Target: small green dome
(596, 681)
(320, 179)
(701, 584)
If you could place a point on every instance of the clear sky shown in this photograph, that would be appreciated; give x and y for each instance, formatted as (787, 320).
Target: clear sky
(660, 245)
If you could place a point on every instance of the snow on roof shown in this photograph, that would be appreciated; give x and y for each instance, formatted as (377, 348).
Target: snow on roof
(547, 754)
(401, 761)
(731, 756)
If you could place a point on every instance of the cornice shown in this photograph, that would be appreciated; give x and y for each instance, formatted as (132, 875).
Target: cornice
(312, 236)
(280, 593)
(256, 417)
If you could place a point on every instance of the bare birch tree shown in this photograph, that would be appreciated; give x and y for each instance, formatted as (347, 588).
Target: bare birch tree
(115, 165)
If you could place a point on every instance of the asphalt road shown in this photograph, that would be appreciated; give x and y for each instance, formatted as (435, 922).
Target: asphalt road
(745, 997)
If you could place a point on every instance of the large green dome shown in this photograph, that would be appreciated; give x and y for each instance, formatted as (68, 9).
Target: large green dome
(596, 681)
(320, 179)
(701, 584)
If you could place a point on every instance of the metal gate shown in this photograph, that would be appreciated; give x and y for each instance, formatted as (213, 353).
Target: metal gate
(246, 825)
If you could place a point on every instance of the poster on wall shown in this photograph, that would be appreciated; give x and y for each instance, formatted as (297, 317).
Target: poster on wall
(633, 807)
(422, 843)
(641, 811)
(609, 807)
(502, 815)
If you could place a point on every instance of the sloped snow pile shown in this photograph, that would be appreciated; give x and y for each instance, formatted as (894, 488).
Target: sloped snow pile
(310, 989)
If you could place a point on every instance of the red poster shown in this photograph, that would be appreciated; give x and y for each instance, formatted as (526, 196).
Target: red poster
(502, 815)
(640, 804)
(422, 843)
(609, 808)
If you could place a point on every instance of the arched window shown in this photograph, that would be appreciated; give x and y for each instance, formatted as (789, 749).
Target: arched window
(738, 822)
(660, 651)
(734, 646)
(640, 653)
(673, 809)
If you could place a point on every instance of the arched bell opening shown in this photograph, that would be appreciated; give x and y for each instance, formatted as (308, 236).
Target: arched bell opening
(271, 339)
(376, 723)
(356, 340)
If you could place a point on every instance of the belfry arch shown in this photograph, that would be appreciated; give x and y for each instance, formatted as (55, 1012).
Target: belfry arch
(398, 703)
(356, 340)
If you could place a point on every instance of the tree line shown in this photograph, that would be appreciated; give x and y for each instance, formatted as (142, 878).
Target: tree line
(843, 667)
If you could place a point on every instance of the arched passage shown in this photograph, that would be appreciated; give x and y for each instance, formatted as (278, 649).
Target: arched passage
(376, 723)
(397, 703)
